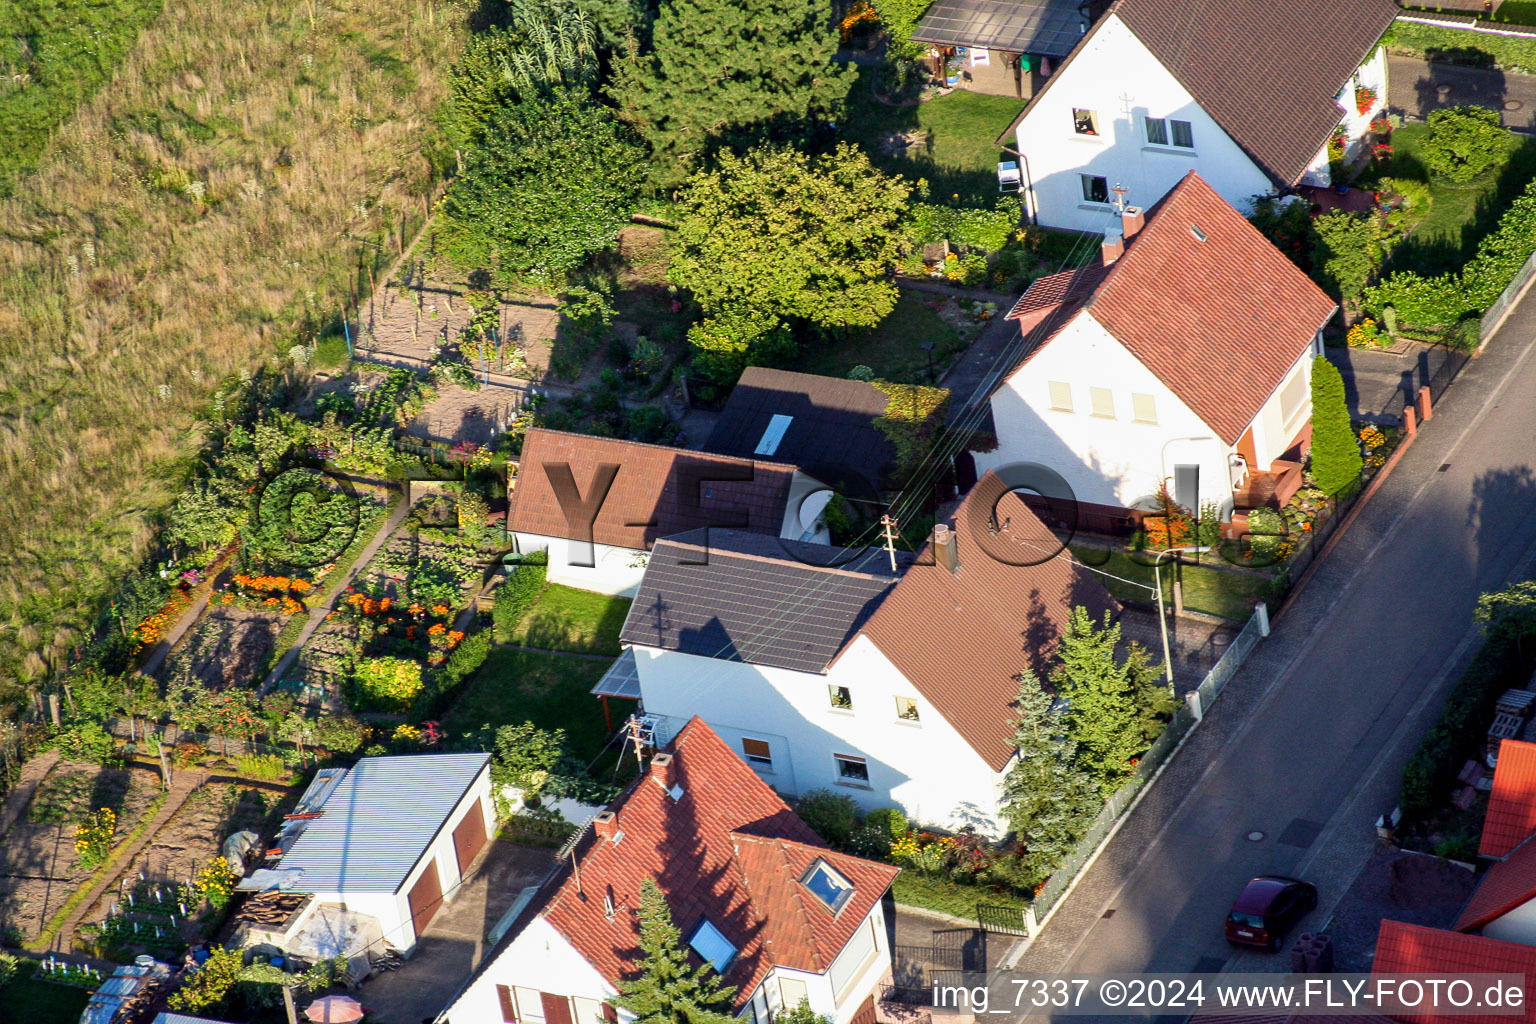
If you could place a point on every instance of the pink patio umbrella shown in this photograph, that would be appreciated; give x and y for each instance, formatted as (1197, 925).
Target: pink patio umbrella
(334, 1010)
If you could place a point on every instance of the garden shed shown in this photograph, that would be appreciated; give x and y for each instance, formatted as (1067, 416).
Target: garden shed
(389, 838)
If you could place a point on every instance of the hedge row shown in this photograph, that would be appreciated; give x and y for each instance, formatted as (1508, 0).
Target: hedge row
(1508, 53)
(515, 596)
(1500, 665)
(1435, 302)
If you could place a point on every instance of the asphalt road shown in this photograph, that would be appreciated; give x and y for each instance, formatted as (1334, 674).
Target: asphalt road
(1307, 743)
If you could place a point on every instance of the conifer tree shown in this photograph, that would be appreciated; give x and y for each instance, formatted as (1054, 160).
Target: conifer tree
(1048, 798)
(668, 990)
(1103, 715)
(1336, 460)
(729, 73)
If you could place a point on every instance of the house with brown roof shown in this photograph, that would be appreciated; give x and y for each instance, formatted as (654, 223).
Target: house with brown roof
(825, 667)
(752, 890)
(598, 504)
(1182, 357)
(1504, 904)
(1247, 92)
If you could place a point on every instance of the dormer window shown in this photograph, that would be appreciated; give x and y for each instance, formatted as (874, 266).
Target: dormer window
(712, 946)
(827, 885)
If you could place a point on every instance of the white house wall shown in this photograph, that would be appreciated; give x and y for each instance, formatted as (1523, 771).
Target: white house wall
(925, 767)
(539, 957)
(1272, 430)
(1116, 462)
(615, 570)
(1518, 925)
(1115, 76)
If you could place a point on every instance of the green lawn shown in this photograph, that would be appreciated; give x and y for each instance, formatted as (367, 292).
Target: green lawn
(1229, 594)
(41, 1002)
(960, 153)
(892, 349)
(947, 897)
(567, 619)
(1459, 215)
(552, 691)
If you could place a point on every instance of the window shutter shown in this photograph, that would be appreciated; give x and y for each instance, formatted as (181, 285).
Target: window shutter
(508, 1011)
(610, 1013)
(1061, 395)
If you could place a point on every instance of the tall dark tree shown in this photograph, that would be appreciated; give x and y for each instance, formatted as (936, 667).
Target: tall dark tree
(730, 73)
(1105, 696)
(1049, 799)
(1336, 460)
(552, 183)
(668, 990)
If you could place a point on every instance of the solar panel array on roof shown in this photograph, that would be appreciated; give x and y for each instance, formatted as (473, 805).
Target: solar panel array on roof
(1049, 28)
(744, 597)
(379, 820)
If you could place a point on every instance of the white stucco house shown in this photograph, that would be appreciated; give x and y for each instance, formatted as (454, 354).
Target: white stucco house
(1181, 358)
(753, 891)
(823, 667)
(598, 504)
(1247, 92)
(388, 839)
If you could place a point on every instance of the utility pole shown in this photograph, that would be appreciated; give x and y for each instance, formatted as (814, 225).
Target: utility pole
(888, 529)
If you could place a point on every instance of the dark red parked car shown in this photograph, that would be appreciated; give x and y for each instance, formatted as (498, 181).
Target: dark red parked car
(1268, 908)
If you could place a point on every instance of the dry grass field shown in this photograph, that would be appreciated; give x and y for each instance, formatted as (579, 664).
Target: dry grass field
(207, 207)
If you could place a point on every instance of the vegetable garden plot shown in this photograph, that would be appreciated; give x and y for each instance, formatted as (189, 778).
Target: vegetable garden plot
(223, 649)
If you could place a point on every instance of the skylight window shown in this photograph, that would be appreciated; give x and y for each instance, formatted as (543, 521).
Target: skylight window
(774, 435)
(712, 946)
(827, 885)
(1198, 232)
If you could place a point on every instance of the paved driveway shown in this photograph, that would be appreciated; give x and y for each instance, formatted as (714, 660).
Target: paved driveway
(1417, 87)
(1378, 384)
(1306, 745)
(454, 943)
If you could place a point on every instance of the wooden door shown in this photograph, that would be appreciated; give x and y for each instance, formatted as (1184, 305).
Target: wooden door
(425, 898)
(469, 837)
(557, 1009)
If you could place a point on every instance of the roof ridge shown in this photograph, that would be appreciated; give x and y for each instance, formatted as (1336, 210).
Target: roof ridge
(676, 452)
(790, 560)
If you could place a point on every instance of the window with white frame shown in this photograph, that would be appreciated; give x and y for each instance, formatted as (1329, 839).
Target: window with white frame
(1167, 131)
(1144, 409)
(530, 1003)
(757, 752)
(1084, 122)
(588, 1011)
(1102, 400)
(793, 992)
(852, 770)
(841, 697)
(712, 946)
(1293, 395)
(906, 709)
(1061, 395)
(1095, 188)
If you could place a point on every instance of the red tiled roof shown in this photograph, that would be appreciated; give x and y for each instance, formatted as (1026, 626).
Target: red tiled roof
(1511, 815)
(962, 638)
(1507, 885)
(729, 851)
(1219, 321)
(657, 491)
(1413, 949)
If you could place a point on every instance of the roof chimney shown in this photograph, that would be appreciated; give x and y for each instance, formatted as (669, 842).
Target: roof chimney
(1132, 220)
(606, 825)
(945, 550)
(1114, 247)
(665, 774)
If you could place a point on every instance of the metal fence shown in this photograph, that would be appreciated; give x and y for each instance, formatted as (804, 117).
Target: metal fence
(1005, 920)
(1184, 719)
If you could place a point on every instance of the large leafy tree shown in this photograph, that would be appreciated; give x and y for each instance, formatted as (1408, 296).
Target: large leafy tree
(1346, 253)
(777, 235)
(1336, 460)
(1049, 799)
(1464, 142)
(1107, 697)
(552, 184)
(730, 73)
(667, 989)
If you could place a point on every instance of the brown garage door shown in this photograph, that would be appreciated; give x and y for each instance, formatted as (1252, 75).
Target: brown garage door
(469, 837)
(425, 898)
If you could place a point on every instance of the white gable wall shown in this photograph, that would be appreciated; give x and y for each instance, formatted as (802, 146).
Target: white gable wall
(1273, 431)
(1115, 462)
(1517, 925)
(615, 570)
(539, 958)
(1115, 76)
(925, 767)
